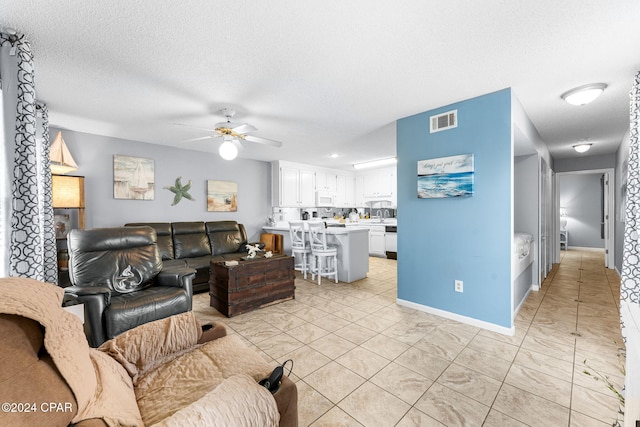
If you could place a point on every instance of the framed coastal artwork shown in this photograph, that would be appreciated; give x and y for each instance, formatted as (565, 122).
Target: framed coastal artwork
(133, 178)
(222, 196)
(446, 177)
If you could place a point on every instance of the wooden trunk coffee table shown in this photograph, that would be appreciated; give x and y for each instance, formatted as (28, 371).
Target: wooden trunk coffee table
(253, 283)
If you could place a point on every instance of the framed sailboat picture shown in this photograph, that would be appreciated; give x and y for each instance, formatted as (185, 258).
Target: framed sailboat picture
(133, 178)
(446, 177)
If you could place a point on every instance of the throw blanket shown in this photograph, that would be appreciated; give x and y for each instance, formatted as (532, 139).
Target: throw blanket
(100, 385)
(180, 383)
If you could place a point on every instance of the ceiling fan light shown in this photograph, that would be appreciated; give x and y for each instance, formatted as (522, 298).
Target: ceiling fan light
(582, 148)
(228, 150)
(584, 94)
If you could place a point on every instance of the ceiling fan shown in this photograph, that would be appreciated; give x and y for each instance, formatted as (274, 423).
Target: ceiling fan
(232, 133)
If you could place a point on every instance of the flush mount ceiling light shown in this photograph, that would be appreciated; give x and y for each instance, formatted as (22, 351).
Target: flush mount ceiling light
(582, 147)
(375, 163)
(228, 149)
(584, 94)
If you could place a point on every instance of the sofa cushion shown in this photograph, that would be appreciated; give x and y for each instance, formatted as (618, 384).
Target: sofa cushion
(190, 240)
(127, 311)
(164, 238)
(195, 373)
(225, 236)
(143, 348)
(124, 259)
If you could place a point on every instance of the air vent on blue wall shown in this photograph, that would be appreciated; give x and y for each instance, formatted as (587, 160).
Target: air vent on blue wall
(444, 121)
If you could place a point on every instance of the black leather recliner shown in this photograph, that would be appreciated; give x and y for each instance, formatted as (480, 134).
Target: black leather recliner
(117, 273)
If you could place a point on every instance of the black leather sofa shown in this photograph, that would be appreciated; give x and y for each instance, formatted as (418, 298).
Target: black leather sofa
(119, 276)
(195, 244)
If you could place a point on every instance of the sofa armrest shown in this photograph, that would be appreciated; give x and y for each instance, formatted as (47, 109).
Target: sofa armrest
(81, 291)
(95, 300)
(237, 400)
(176, 276)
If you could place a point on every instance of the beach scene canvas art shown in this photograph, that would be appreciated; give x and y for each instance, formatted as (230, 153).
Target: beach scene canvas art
(445, 177)
(222, 196)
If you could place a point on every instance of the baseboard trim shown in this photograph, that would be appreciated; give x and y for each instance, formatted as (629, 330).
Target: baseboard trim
(457, 317)
(517, 309)
(585, 248)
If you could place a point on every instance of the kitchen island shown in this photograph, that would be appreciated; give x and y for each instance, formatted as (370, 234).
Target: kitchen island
(352, 244)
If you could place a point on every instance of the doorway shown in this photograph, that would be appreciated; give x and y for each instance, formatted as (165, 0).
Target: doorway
(588, 211)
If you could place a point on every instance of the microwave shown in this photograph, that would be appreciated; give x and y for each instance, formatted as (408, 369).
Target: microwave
(325, 199)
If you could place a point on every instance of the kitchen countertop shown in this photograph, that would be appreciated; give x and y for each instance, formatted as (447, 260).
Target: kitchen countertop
(352, 243)
(375, 221)
(330, 230)
(370, 221)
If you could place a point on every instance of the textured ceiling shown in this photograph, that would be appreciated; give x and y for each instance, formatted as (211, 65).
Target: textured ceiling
(325, 77)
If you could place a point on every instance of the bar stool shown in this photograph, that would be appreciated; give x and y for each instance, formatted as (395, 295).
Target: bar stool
(299, 246)
(325, 257)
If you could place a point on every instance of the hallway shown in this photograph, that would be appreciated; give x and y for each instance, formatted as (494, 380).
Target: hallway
(575, 318)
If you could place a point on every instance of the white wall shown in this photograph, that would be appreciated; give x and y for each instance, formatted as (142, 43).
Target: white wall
(94, 155)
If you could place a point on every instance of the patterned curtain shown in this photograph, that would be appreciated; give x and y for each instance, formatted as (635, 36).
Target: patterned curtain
(630, 280)
(32, 245)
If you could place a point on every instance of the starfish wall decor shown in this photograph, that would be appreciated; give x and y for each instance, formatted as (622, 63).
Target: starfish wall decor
(180, 191)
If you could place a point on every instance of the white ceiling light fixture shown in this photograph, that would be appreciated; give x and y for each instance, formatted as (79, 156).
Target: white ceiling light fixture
(375, 163)
(584, 94)
(228, 149)
(232, 134)
(582, 147)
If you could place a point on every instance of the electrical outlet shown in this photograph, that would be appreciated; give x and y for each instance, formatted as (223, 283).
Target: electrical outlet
(458, 285)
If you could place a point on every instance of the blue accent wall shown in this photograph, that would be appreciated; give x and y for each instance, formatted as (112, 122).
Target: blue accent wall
(468, 238)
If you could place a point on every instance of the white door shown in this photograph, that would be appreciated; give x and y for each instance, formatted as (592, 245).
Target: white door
(545, 221)
(607, 198)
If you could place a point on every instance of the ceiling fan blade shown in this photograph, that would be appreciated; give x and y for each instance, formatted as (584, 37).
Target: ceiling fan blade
(244, 128)
(193, 127)
(200, 138)
(259, 140)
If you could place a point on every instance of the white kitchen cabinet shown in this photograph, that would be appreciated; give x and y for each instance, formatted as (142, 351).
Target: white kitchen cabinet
(326, 181)
(377, 240)
(292, 186)
(359, 197)
(307, 196)
(346, 191)
(379, 184)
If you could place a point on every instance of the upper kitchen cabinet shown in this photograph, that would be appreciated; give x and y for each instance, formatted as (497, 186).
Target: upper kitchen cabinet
(359, 197)
(380, 184)
(292, 185)
(346, 191)
(326, 181)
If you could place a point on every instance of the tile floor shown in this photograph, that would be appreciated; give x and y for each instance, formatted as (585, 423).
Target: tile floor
(360, 359)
